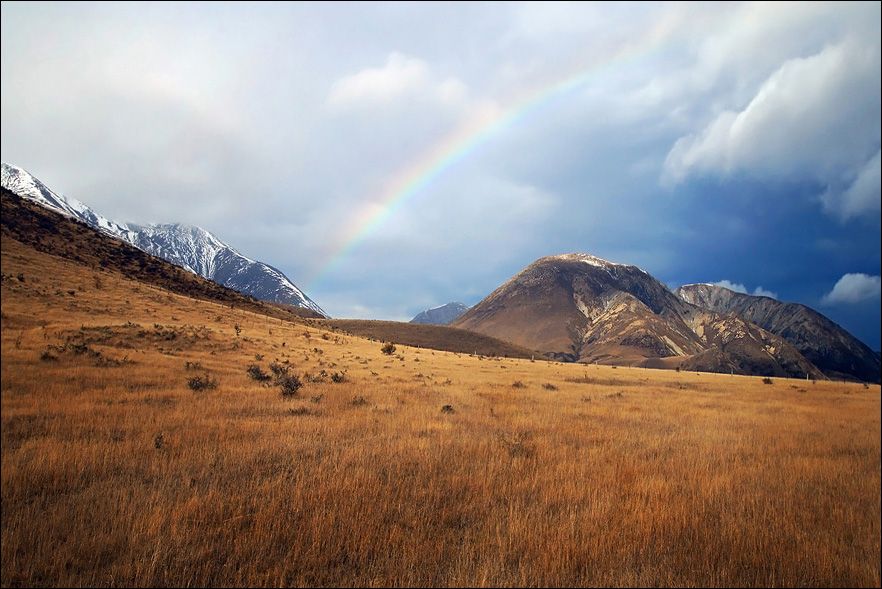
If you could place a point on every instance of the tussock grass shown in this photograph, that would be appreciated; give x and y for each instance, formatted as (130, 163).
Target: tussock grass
(121, 475)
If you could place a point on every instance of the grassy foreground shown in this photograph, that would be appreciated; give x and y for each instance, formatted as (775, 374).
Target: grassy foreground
(116, 472)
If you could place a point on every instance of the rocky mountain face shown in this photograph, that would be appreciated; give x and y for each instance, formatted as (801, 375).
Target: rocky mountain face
(578, 307)
(190, 247)
(443, 315)
(827, 345)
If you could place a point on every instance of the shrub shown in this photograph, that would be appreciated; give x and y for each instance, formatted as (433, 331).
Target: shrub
(518, 385)
(289, 384)
(359, 401)
(255, 372)
(767, 380)
(448, 409)
(278, 369)
(338, 377)
(549, 387)
(388, 348)
(199, 383)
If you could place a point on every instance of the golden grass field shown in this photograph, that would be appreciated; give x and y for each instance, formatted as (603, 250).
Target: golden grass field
(116, 473)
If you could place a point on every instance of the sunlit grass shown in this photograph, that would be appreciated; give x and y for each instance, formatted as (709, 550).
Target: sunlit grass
(121, 474)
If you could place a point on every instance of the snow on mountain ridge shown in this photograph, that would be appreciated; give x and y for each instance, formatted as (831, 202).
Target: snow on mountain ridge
(191, 247)
(24, 184)
(591, 260)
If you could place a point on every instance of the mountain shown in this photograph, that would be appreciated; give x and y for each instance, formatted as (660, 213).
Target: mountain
(827, 345)
(42, 229)
(442, 315)
(579, 307)
(190, 247)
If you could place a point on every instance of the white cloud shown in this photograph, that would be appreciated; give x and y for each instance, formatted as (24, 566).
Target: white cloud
(759, 291)
(814, 118)
(853, 288)
(731, 286)
(862, 196)
(400, 77)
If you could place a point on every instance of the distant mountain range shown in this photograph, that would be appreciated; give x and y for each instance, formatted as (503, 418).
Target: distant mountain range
(579, 307)
(188, 246)
(572, 307)
(443, 315)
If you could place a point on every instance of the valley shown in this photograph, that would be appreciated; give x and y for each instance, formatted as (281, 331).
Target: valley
(140, 448)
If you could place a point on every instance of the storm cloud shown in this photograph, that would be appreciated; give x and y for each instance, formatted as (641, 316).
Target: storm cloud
(696, 141)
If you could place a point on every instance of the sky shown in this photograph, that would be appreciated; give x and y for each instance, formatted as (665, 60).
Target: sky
(394, 157)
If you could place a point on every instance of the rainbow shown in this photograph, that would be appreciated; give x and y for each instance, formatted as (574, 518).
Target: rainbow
(463, 142)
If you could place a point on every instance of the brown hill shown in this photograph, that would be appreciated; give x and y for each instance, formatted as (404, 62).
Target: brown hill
(579, 307)
(437, 337)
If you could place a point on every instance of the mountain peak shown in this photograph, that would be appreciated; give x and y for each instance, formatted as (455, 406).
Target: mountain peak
(441, 315)
(586, 258)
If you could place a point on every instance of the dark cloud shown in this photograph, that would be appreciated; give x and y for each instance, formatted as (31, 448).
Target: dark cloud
(284, 127)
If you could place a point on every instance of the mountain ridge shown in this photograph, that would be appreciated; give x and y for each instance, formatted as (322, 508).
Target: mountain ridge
(579, 307)
(822, 341)
(189, 246)
(440, 315)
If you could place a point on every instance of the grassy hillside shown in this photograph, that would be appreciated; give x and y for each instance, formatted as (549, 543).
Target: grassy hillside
(47, 231)
(429, 468)
(438, 337)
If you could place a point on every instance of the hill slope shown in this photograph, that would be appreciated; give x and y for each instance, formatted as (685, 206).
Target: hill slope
(436, 337)
(190, 247)
(582, 308)
(48, 231)
(827, 345)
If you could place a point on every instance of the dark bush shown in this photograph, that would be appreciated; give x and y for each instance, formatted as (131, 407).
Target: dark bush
(388, 348)
(289, 384)
(199, 383)
(255, 372)
(278, 369)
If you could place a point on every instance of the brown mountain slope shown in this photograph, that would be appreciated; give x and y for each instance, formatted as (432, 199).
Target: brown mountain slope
(437, 337)
(52, 233)
(581, 308)
(827, 345)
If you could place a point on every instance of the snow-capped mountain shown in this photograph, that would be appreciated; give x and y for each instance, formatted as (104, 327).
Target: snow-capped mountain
(188, 246)
(20, 182)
